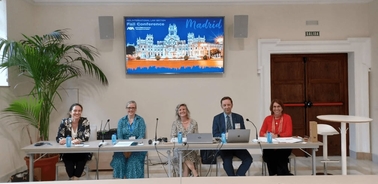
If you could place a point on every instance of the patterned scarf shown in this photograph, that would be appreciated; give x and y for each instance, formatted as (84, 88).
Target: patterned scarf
(279, 126)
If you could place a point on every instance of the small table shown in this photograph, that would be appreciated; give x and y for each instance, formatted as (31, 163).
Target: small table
(344, 119)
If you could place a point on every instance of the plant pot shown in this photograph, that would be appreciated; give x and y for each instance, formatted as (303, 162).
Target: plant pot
(47, 167)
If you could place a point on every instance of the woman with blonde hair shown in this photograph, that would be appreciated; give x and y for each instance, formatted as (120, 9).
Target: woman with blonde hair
(185, 125)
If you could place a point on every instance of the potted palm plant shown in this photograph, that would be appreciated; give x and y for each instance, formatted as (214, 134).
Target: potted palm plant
(49, 62)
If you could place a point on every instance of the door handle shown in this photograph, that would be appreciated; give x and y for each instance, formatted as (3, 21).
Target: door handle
(307, 104)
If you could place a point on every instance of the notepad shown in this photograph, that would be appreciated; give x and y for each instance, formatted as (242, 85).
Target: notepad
(264, 139)
(123, 143)
(288, 139)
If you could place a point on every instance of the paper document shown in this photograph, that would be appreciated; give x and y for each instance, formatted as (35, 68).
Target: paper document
(264, 139)
(123, 143)
(280, 139)
(174, 139)
(288, 139)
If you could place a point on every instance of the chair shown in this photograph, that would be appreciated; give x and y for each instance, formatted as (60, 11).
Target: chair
(207, 162)
(292, 158)
(61, 164)
(147, 165)
(325, 130)
(174, 164)
(219, 161)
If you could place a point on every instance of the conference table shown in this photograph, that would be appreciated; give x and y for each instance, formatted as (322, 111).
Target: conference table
(90, 146)
(344, 119)
(93, 146)
(323, 179)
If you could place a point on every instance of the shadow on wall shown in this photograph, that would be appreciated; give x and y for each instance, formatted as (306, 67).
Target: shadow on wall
(13, 136)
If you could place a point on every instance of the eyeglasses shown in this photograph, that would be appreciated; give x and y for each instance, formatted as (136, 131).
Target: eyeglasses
(131, 108)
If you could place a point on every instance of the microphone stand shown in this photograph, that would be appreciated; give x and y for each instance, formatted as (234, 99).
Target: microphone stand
(103, 134)
(257, 136)
(156, 140)
(102, 143)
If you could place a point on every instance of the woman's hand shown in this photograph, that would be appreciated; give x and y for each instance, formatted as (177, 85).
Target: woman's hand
(62, 141)
(76, 141)
(273, 135)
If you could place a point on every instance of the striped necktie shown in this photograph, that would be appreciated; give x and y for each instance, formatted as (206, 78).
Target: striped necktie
(229, 126)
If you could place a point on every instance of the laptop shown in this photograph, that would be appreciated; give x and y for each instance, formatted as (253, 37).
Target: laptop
(199, 138)
(238, 136)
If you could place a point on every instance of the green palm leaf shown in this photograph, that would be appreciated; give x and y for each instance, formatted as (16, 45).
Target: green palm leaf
(28, 109)
(49, 62)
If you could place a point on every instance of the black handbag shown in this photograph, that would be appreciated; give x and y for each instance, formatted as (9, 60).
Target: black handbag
(209, 156)
(21, 177)
(90, 155)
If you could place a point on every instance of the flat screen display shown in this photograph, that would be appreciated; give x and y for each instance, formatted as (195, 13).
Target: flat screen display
(174, 45)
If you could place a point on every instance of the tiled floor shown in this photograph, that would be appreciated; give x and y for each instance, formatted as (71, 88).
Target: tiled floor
(355, 167)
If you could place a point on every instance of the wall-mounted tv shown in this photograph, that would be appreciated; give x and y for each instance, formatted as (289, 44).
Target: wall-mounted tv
(174, 45)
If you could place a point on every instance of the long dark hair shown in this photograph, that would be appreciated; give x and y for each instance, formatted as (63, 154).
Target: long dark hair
(72, 106)
(279, 102)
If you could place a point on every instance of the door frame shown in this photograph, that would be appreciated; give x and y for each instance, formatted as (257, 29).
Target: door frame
(359, 64)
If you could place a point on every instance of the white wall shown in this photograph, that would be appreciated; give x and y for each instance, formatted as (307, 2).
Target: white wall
(13, 136)
(373, 31)
(157, 95)
(3, 34)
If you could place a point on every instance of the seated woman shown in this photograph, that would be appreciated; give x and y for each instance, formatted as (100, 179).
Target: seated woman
(129, 164)
(278, 124)
(185, 125)
(78, 129)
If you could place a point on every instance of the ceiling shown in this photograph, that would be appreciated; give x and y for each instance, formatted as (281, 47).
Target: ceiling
(196, 1)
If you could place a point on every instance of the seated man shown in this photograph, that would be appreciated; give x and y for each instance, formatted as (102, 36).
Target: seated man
(221, 124)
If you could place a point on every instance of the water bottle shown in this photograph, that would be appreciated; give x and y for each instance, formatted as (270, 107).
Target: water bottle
(68, 141)
(224, 138)
(269, 137)
(114, 139)
(179, 138)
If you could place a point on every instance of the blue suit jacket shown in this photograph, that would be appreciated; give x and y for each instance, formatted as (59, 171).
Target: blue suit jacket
(219, 123)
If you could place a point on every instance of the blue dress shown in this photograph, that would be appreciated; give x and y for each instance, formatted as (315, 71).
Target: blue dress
(132, 167)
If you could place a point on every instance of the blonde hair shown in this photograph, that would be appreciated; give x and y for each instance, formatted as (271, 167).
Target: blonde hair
(177, 110)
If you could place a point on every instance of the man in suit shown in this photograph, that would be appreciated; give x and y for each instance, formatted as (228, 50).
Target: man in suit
(221, 124)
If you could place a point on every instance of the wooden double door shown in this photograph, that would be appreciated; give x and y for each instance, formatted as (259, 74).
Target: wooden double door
(311, 85)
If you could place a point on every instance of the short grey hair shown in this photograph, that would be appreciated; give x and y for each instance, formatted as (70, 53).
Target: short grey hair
(131, 102)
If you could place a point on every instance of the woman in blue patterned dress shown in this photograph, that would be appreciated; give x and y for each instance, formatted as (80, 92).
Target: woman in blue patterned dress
(131, 126)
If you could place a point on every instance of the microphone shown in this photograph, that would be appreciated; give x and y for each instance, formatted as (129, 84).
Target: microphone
(156, 140)
(257, 136)
(157, 121)
(108, 122)
(103, 133)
